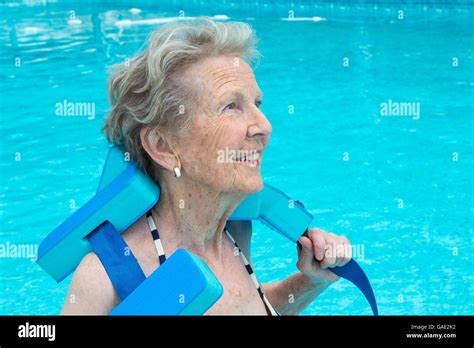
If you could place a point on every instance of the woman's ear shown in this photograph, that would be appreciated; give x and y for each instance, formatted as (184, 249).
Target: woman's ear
(159, 149)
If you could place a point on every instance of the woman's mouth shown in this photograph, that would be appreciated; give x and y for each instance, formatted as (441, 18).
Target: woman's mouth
(252, 159)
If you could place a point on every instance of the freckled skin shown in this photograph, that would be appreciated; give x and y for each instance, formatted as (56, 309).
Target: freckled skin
(216, 187)
(193, 209)
(215, 130)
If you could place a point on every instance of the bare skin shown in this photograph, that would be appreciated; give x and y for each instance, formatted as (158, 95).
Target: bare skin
(193, 209)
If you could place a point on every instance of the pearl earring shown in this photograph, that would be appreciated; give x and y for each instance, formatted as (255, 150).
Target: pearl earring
(177, 172)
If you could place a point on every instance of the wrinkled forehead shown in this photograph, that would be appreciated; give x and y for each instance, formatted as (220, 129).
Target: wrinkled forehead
(215, 76)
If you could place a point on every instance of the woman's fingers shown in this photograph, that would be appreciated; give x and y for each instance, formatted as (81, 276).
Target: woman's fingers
(319, 244)
(306, 253)
(330, 258)
(327, 248)
(347, 254)
(339, 251)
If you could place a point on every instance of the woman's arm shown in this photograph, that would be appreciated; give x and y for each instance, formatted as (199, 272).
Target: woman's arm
(320, 250)
(292, 295)
(91, 292)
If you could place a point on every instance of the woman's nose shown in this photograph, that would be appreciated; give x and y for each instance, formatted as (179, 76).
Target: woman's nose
(260, 125)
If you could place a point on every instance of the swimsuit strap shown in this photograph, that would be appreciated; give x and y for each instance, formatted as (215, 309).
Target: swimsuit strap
(250, 271)
(156, 237)
(248, 267)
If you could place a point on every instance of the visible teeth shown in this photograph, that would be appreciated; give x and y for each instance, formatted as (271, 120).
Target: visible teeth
(251, 157)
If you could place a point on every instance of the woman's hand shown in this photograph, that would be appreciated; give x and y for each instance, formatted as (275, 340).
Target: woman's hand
(320, 252)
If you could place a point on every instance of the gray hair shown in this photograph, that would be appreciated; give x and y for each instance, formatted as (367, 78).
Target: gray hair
(150, 91)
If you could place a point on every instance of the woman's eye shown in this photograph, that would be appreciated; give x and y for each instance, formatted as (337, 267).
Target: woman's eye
(258, 103)
(231, 106)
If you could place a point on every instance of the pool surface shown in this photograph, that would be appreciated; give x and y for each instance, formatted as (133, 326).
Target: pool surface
(397, 183)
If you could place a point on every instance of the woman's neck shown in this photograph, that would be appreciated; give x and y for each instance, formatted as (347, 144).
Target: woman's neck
(193, 217)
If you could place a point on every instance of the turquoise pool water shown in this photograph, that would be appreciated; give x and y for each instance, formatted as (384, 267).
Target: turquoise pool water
(400, 187)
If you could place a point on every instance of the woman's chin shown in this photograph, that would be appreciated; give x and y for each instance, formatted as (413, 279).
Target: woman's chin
(245, 183)
(252, 185)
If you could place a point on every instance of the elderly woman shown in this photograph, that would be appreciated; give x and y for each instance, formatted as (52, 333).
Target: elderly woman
(186, 98)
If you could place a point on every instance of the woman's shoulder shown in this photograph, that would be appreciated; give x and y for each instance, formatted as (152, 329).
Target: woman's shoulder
(91, 290)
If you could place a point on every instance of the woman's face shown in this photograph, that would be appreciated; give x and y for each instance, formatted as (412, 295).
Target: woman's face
(229, 134)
